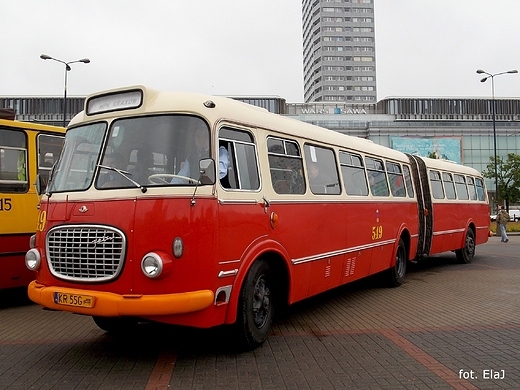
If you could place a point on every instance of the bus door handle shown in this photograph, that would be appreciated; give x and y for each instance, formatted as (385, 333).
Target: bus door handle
(266, 204)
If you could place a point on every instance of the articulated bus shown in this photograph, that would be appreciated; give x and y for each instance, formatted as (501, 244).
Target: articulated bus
(26, 149)
(202, 211)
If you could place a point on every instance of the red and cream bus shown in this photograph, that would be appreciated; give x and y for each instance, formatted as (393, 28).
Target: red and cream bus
(200, 211)
(26, 149)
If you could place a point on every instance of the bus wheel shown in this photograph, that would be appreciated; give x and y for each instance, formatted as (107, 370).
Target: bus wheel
(256, 309)
(466, 254)
(396, 273)
(115, 324)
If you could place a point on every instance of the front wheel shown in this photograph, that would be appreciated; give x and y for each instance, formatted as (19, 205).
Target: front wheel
(466, 254)
(395, 275)
(256, 308)
(115, 325)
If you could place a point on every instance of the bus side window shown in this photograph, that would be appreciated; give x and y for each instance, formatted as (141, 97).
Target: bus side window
(377, 177)
(321, 170)
(471, 188)
(13, 161)
(449, 187)
(408, 181)
(285, 166)
(395, 177)
(436, 184)
(242, 169)
(460, 185)
(353, 173)
(480, 190)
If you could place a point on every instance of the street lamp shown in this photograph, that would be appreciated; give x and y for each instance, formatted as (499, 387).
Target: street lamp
(67, 69)
(493, 113)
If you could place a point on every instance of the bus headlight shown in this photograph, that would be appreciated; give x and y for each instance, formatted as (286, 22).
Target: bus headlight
(33, 259)
(156, 265)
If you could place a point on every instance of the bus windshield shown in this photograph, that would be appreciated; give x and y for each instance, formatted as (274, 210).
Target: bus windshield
(75, 168)
(146, 151)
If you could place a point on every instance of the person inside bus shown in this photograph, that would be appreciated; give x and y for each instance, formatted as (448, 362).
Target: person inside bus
(318, 181)
(199, 152)
(109, 178)
(143, 166)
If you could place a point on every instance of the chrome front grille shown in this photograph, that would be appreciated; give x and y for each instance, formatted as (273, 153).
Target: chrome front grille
(85, 253)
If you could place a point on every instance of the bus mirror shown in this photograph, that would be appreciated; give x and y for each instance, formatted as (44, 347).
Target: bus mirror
(207, 171)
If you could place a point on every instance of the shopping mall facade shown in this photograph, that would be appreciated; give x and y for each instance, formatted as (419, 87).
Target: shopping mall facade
(458, 129)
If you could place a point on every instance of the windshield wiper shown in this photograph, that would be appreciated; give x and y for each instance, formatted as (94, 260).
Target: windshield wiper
(125, 175)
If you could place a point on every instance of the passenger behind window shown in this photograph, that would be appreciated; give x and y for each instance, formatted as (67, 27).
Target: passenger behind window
(109, 178)
(143, 166)
(200, 150)
(318, 181)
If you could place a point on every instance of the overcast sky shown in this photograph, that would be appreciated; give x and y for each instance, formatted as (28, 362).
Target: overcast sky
(249, 47)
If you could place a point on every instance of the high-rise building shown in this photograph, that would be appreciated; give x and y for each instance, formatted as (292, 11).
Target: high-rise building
(339, 58)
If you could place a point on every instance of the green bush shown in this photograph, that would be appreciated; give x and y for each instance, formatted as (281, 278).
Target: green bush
(510, 227)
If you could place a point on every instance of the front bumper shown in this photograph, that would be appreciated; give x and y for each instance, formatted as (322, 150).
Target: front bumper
(106, 304)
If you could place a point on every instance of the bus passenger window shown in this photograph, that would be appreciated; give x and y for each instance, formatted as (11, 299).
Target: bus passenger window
(321, 170)
(242, 169)
(377, 177)
(481, 193)
(449, 187)
(436, 184)
(285, 166)
(395, 177)
(460, 185)
(471, 188)
(13, 161)
(353, 173)
(408, 181)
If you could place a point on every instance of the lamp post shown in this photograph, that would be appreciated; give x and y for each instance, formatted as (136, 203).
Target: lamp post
(493, 113)
(67, 69)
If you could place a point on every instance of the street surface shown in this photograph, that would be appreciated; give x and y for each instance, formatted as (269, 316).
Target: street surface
(448, 326)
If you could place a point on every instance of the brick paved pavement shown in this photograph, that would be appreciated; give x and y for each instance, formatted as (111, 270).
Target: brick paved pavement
(446, 327)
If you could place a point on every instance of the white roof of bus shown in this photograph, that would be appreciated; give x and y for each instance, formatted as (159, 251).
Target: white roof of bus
(447, 165)
(235, 111)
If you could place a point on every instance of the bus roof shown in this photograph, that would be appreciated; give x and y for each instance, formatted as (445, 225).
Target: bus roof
(138, 100)
(31, 126)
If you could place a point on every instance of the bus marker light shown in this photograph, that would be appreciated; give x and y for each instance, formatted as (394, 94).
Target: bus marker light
(32, 241)
(178, 247)
(274, 220)
(32, 259)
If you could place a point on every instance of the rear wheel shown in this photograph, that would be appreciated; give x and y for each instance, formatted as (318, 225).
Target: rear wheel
(256, 308)
(397, 272)
(466, 254)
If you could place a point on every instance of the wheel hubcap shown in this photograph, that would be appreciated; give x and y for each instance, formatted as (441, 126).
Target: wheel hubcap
(261, 302)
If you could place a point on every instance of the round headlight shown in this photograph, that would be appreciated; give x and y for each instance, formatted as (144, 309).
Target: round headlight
(152, 265)
(32, 259)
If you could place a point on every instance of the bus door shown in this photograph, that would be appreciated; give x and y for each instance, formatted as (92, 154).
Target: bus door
(424, 205)
(242, 209)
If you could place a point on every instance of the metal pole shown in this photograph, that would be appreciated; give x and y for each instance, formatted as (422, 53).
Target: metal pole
(65, 96)
(493, 113)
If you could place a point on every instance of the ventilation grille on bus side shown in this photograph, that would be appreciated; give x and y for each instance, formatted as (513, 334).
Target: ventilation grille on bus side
(85, 253)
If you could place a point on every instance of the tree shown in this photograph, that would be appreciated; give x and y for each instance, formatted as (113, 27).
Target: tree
(508, 173)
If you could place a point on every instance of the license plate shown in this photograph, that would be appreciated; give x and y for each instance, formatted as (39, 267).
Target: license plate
(73, 300)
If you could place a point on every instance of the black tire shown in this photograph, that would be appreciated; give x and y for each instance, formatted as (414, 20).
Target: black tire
(466, 254)
(395, 275)
(115, 325)
(256, 306)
